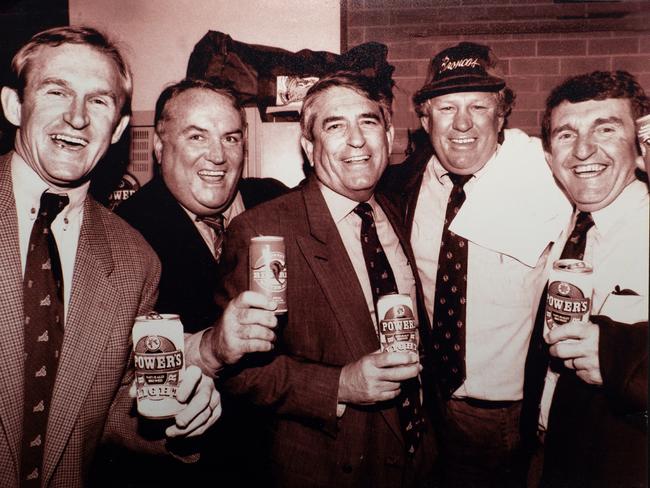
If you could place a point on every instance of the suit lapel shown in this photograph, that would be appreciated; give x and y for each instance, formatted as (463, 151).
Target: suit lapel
(11, 316)
(92, 310)
(328, 258)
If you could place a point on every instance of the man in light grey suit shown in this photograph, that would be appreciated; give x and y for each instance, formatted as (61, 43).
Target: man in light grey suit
(70, 100)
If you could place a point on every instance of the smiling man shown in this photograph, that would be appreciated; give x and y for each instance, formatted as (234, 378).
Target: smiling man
(338, 406)
(481, 208)
(199, 143)
(597, 396)
(74, 276)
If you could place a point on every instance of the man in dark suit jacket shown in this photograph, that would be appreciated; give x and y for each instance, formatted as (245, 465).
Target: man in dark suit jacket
(331, 393)
(199, 144)
(165, 210)
(595, 400)
(69, 102)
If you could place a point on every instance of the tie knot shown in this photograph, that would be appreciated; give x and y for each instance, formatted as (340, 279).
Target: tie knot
(215, 222)
(364, 210)
(459, 180)
(51, 206)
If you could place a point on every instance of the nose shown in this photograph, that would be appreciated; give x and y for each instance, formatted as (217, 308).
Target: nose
(584, 147)
(215, 152)
(462, 120)
(76, 115)
(355, 136)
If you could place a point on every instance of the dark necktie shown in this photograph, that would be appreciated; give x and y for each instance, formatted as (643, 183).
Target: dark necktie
(43, 307)
(575, 245)
(448, 332)
(382, 282)
(216, 223)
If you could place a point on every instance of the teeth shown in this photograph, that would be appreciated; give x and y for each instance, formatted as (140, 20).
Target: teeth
(463, 140)
(213, 173)
(588, 168)
(69, 139)
(356, 159)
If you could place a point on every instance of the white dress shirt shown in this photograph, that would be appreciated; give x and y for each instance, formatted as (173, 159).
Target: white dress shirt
(207, 232)
(618, 250)
(509, 228)
(348, 224)
(66, 226)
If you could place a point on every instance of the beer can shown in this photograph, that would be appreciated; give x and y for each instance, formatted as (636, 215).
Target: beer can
(398, 329)
(570, 287)
(268, 269)
(159, 364)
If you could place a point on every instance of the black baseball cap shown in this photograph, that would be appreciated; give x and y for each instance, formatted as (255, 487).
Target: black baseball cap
(461, 68)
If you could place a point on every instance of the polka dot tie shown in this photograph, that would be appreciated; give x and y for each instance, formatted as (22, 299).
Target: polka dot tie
(43, 308)
(215, 222)
(382, 282)
(448, 331)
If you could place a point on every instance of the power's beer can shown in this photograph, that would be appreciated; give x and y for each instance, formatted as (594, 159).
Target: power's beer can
(398, 329)
(268, 269)
(570, 287)
(159, 364)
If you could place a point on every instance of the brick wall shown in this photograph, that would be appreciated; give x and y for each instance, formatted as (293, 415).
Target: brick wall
(538, 42)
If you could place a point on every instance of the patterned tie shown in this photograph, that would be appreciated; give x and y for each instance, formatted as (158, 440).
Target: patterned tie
(575, 245)
(43, 307)
(382, 282)
(448, 332)
(216, 223)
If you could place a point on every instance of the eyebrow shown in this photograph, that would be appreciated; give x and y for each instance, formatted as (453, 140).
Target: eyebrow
(596, 123)
(63, 83)
(192, 128)
(365, 115)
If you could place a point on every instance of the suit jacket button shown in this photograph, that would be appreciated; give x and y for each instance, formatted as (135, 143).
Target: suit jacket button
(347, 468)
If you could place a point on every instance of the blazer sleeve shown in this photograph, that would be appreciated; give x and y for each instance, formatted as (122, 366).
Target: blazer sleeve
(623, 355)
(281, 380)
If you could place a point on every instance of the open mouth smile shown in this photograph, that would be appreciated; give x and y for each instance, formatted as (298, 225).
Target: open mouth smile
(212, 174)
(65, 141)
(589, 170)
(356, 159)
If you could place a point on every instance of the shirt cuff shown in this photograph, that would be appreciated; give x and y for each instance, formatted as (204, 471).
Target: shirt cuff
(198, 352)
(340, 410)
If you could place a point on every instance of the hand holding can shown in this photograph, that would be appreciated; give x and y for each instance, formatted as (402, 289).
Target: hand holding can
(569, 293)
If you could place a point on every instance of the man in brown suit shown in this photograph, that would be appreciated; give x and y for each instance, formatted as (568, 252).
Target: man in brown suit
(70, 100)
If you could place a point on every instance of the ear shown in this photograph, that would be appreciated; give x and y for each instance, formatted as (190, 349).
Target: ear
(502, 120)
(549, 159)
(121, 125)
(11, 105)
(390, 135)
(424, 120)
(308, 147)
(158, 147)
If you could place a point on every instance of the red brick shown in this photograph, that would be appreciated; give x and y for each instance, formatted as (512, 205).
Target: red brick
(520, 118)
(355, 4)
(367, 18)
(566, 10)
(644, 80)
(574, 35)
(414, 16)
(424, 50)
(534, 66)
(547, 83)
(431, 3)
(530, 101)
(405, 68)
(408, 86)
(522, 83)
(509, 49)
(644, 44)
(574, 66)
(625, 45)
(486, 2)
(633, 64)
(561, 48)
(613, 8)
(356, 36)
(400, 50)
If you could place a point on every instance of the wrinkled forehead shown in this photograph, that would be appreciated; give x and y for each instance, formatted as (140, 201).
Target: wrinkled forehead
(593, 112)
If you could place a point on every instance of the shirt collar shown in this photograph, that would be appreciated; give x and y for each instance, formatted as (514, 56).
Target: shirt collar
(32, 187)
(633, 196)
(340, 206)
(235, 208)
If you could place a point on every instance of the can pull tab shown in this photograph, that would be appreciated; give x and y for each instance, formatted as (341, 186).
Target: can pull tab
(154, 315)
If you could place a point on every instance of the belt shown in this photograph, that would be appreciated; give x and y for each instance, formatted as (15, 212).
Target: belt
(488, 404)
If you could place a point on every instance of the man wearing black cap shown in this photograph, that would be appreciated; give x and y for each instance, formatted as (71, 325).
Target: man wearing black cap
(482, 208)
